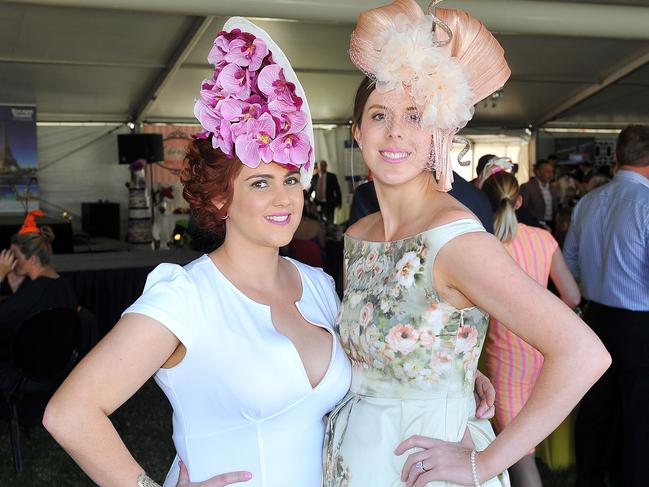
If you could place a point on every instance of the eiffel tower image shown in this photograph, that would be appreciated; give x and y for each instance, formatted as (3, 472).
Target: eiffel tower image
(8, 162)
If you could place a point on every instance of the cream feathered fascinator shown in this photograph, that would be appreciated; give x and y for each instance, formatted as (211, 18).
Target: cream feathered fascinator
(447, 61)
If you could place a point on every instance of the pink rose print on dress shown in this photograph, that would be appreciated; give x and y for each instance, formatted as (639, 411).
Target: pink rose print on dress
(441, 363)
(426, 336)
(402, 338)
(371, 259)
(435, 318)
(366, 314)
(467, 338)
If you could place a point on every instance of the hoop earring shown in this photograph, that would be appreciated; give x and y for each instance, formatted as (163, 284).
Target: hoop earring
(225, 217)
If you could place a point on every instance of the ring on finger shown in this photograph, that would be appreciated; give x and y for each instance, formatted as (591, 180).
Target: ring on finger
(420, 466)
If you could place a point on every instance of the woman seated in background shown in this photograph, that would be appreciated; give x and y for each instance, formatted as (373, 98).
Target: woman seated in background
(512, 364)
(35, 284)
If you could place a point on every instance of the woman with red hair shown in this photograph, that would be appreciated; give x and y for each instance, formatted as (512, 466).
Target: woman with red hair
(240, 340)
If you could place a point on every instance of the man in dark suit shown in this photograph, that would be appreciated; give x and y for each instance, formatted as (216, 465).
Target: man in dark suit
(327, 192)
(365, 201)
(540, 197)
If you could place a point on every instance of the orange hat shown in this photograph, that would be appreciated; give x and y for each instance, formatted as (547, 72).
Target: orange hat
(29, 225)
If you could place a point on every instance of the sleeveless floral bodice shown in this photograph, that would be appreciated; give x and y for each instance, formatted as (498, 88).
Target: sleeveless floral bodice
(414, 361)
(396, 328)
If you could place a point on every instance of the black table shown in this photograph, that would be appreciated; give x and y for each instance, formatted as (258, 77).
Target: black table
(107, 283)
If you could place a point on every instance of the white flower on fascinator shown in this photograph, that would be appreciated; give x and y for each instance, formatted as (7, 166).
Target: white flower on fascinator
(405, 50)
(438, 83)
(445, 95)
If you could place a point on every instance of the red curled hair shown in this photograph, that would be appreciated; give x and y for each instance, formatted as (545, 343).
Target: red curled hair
(208, 176)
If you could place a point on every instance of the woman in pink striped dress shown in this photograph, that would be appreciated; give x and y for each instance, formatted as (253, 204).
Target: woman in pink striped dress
(512, 364)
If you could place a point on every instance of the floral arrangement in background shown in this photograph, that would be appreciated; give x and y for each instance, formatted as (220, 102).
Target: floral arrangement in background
(249, 107)
(137, 165)
(138, 176)
(160, 197)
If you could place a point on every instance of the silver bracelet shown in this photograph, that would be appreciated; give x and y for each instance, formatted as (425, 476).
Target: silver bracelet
(474, 469)
(144, 480)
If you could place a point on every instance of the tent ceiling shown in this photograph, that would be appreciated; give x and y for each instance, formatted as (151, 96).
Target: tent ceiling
(94, 64)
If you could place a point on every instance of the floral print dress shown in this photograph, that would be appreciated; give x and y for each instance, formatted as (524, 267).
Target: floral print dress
(414, 358)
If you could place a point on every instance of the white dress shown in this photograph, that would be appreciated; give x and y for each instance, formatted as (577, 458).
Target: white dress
(241, 397)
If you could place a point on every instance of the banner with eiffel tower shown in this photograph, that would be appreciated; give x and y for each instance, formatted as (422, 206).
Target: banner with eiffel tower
(18, 159)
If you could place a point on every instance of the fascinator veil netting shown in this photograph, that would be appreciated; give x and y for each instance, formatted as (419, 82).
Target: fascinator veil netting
(446, 60)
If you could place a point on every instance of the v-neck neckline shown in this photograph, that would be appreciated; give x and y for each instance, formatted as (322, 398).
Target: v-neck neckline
(297, 304)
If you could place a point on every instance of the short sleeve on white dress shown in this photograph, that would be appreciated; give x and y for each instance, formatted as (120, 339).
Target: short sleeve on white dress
(170, 297)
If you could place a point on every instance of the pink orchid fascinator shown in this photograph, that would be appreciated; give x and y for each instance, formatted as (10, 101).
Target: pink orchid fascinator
(254, 106)
(447, 61)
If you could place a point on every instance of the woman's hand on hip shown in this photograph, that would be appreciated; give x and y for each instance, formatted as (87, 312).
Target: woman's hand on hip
(437, 460)
(217, 481)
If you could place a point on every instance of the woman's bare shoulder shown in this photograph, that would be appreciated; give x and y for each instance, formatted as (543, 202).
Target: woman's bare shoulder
(450, 212)
(362, 228)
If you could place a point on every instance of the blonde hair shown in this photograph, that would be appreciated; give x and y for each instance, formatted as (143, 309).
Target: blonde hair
(502, 190)
(38, 244)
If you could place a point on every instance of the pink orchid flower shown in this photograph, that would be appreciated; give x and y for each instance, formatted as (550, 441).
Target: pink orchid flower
(220, 48)
(207, 116)
(292, 122)
(213, 123)
(235, 81)
(253, 145)
(211, 93)
(272, 83)
(280, 93)
(247, 53)
(291, 149)
(223, 139)
(236, 110)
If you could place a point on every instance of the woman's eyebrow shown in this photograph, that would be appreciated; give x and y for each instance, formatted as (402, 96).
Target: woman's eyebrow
(265, 176)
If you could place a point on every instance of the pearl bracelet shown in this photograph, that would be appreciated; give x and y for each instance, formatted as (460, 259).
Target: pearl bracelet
(474, 469)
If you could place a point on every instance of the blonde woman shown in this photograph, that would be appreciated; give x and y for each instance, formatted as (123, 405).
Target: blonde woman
(512, 364)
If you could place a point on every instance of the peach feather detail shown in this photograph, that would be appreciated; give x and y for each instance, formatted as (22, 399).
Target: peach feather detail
(445, 81)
